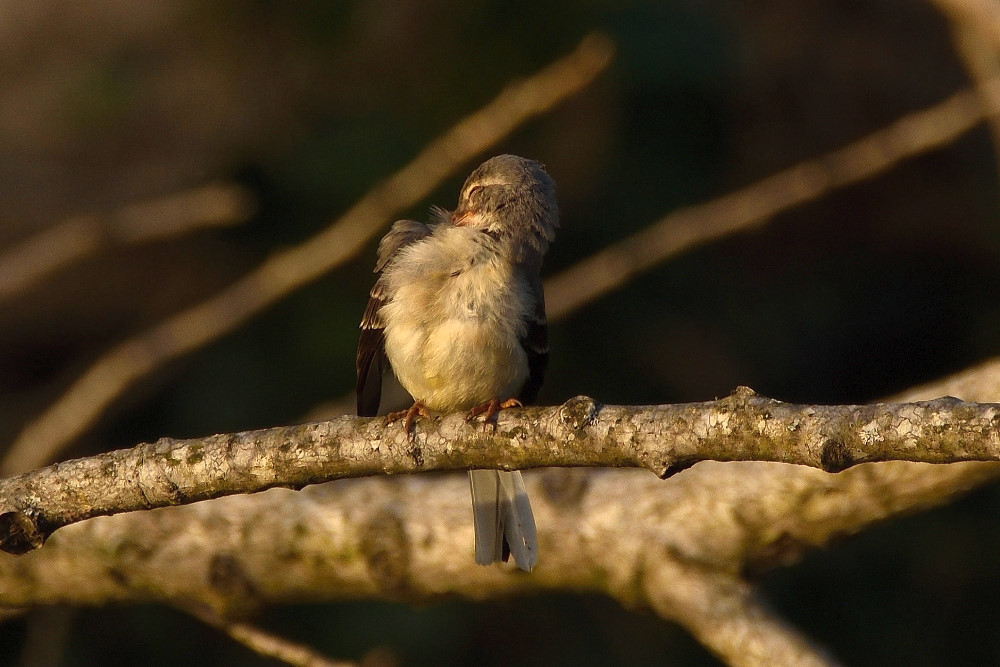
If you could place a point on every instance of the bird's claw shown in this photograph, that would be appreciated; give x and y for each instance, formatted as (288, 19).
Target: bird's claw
(410, 415)
(491, 409)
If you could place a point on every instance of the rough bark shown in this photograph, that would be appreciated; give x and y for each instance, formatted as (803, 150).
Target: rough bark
(681, 546)
(664, 439)
(684, 546)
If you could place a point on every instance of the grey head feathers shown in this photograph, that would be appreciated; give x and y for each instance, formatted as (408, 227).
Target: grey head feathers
(512, 199)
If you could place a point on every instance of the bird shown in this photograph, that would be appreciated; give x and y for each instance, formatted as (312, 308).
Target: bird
(458, 313)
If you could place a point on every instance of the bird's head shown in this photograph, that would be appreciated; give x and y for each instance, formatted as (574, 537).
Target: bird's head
(512, 199)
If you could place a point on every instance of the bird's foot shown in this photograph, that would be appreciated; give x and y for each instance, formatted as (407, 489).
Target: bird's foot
(410, 416)
(491, 409)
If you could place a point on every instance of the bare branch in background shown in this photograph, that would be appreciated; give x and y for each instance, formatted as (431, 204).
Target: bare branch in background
(622, 533)
(724, 614)
(755, 204)
(976, 33)
(980, 382)
(285, 271)
(984, 15)
(269, 644)
(664, 439)
(74, 239)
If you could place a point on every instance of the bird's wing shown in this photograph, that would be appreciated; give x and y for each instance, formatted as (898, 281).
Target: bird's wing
(536, 343)
(371, 346)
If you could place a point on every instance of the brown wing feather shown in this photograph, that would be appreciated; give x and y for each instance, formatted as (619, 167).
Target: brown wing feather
(371, 357)
(371, 361)
(536, 343)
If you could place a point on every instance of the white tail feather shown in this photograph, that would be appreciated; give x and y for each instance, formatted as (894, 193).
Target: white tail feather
(502, 513)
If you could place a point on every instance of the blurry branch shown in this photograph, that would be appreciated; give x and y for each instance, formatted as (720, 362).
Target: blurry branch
(983, 15)
(754, 205)
(269, 644)
(976, 33)
(672, 545)
(977, 383)
(287, 270)
(10, 613)
(982, 59)
(664, 439)
(214, 205)
(726, 616)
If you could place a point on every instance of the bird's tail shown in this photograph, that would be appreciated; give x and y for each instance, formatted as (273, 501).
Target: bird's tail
(502, 516)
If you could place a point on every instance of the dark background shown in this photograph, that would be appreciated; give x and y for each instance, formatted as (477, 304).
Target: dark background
(862, 293)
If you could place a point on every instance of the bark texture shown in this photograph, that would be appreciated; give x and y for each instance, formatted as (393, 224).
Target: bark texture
(663, 439)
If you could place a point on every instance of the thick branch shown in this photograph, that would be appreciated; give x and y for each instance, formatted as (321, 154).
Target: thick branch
(664, 439)
(679, 546)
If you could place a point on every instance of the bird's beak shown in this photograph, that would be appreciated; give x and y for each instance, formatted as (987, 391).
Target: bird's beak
(464, 217)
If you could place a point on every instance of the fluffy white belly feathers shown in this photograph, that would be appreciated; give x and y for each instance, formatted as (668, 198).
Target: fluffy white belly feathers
(454, 320)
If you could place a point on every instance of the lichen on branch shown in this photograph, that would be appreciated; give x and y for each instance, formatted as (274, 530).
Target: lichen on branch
(663, 438)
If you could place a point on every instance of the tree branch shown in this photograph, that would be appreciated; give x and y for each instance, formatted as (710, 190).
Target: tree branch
(79, 237)
(269, 644)
(725, 616)
(628, 534)
(976, 34)
(663, 439)
(682, 546)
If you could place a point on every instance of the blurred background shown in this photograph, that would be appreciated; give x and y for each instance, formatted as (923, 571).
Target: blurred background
(290, 112)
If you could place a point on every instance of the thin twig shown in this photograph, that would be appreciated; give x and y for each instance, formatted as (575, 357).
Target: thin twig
(83, 403)
(269, 644)
(976, 34)
(79, 237)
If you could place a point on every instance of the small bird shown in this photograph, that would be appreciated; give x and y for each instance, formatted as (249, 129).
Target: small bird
(458, 313)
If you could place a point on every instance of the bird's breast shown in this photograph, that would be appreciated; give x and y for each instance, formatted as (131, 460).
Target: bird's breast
(453, 329)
